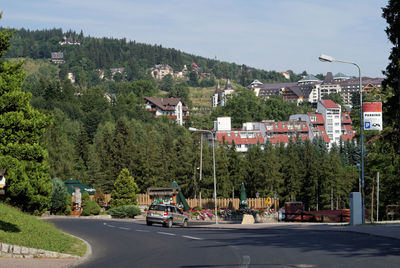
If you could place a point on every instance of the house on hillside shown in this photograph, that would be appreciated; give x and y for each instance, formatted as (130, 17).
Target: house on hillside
(290, 91)
(69, 41)
(285, 74)
(57, 57)
(174, 108)
(220, 95)
(161, 70)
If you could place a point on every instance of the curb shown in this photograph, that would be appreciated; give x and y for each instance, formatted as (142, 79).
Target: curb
(87, 255)
(14, 251)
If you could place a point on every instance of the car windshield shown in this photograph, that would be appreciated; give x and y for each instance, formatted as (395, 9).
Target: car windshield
(157, 208)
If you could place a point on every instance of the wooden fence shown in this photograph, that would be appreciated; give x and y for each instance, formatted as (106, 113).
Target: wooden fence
(208, 203)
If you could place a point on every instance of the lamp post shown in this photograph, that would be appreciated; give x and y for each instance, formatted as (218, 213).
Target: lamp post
(326, 58)
(215, 181)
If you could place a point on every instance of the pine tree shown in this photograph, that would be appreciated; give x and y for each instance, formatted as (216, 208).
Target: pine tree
(60, 199)
(392, 81)
(125, 190)
(274, 179)
(21, 153)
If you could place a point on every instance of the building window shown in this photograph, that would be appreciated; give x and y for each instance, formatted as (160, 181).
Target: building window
(229, 134)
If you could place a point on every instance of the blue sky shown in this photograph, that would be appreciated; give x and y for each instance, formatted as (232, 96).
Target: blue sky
(271, 35)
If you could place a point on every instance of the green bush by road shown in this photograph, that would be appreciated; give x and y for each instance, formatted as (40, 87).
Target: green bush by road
(18, 228)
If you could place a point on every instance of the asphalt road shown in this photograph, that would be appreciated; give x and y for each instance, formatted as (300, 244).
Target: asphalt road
(133, 244)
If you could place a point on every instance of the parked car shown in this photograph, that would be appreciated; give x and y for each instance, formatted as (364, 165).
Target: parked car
(165, 214)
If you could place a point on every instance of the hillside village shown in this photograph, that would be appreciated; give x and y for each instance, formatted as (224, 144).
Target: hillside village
(132, 106)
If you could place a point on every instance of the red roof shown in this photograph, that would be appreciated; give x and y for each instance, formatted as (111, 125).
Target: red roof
(322, 132)
(236, 137)
(346, 119)
(319, 118)
(285, 138)
(329, 104)
(348, 136)
(283, 127)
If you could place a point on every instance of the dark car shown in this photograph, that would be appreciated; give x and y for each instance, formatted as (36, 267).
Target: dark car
(165, 214)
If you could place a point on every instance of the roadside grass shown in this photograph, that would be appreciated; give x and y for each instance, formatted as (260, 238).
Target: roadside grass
(18, 228)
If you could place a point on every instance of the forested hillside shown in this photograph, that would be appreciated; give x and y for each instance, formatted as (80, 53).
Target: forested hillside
(97, 128)
(104, 53)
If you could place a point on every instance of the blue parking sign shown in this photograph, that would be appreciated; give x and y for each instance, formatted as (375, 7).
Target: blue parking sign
(367, 125)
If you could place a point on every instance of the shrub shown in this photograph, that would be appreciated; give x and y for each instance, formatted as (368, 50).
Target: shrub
(60, 199)
(91, 208)
(125, 190)
(125, 211)
(85, 199)
(100, 198)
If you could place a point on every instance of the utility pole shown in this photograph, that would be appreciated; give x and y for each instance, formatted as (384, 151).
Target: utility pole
(201, 167)
(377, 196)
(372, 200)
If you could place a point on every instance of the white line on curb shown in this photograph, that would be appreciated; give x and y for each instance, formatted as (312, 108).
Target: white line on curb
(124, 228)
(144, 231)
(165, 233)
(192, 237)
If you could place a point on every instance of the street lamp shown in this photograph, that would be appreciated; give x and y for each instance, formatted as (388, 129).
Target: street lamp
(215, 181)
(326, 58)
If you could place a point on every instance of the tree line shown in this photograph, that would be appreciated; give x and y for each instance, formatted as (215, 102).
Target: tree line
(92, 54)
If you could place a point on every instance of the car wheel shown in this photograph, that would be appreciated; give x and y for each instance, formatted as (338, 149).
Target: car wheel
(149, 223)
(168, 224)
(185, 224)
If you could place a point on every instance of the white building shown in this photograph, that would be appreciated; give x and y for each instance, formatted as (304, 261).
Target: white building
(220, 96)
(331, 112)
(174, 108)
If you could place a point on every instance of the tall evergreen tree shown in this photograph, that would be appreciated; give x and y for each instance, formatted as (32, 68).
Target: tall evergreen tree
(21, 153)
(392, 82)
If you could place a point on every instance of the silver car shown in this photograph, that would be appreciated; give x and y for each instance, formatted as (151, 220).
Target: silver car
(167, 215)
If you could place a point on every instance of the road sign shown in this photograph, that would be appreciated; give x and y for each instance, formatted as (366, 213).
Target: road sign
(372, 115)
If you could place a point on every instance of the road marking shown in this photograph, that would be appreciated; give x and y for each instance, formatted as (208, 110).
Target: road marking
(124, 228)
(165, 233)
(144, 231)
(112, 226)
(192, 237)
(245, 261)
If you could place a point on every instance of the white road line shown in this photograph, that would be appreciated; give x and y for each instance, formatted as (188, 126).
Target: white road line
(112, 226)
(124, 228)
(192, 237)
(144, 231)
(165, 233)
(245, 261)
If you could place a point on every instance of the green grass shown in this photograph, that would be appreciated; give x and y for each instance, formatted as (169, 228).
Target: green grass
(18, 228)
(201, 97)
(37, 66)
